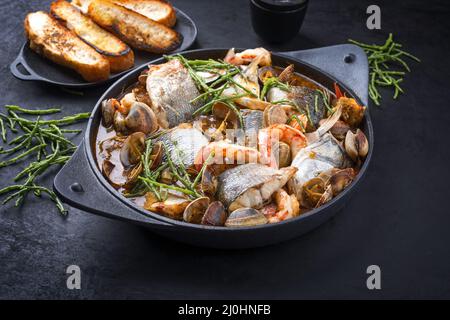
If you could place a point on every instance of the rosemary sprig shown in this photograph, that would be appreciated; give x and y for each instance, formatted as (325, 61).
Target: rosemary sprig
(381, 59)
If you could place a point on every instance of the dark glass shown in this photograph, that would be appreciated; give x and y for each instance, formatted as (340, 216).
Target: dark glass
(282, 5)
(277, 20)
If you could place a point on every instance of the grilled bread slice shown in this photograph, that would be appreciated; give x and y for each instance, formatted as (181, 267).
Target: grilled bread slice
(158, 10)
(82, 5)
(118, 53)
(138, 31)
(55, 42)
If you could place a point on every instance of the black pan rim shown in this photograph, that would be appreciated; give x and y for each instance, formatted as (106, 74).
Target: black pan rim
(114, 77)
(175, 223)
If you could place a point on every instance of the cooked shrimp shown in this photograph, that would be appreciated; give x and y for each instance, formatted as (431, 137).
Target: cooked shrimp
(352, 112)
(126, 102)
(299, 122)
(247, 56)
(279, 132)
(287, 207)
(226, 153)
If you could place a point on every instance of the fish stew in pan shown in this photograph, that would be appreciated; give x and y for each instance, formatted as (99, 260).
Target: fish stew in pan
(230, 142)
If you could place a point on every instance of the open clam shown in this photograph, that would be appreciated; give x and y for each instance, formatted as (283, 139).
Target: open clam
(282, 152)
(339, 129)
(287, 75)
(208, 183)
(245, 217)
(312, 192)
(141, 118)
(120, 123)
(326, 196)
(356, 145)
(133, 175)
(156, 155)
(274, 115)
(195, 210)
(107, 169)
(215, 215)
(267, 72)
(109, 108)
(341, 179)
(132, 149)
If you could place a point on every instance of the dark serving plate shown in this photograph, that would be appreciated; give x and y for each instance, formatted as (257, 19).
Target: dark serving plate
(30, 66)
(81, 184)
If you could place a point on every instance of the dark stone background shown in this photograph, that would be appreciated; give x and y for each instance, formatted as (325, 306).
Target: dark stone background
(398, 221)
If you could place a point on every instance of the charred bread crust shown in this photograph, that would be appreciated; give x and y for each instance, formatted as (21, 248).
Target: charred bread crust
(63, 47)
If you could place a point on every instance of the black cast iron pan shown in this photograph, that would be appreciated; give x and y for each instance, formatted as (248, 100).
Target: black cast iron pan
(30, 66)
(81, 184)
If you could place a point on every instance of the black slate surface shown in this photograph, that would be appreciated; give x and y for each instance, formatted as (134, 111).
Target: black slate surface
(399, 220)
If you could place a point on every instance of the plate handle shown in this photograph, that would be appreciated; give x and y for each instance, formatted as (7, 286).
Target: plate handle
(346, 62)
(78, 186)
(18, 73)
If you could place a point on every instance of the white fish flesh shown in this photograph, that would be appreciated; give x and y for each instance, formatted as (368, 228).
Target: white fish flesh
(183, 144)
(320, 156)
(170, 89)
(251, 185)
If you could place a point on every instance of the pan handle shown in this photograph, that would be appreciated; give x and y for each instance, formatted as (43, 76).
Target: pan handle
(28, 75)
(77, 185)
(346, 62)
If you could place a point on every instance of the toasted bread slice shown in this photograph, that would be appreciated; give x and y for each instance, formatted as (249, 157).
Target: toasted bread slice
(83, 5)
(55, 42)
(158, 10)
(138, 31)
(118, 53)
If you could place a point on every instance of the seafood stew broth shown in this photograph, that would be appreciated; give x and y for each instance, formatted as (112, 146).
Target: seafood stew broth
(237, 141)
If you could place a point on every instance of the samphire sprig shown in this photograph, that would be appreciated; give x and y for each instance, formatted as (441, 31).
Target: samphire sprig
(381, 59)
(44, 139)
(272, 83)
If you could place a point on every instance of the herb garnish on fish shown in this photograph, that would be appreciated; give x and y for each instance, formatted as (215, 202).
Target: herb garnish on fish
(149, 178)
(212, 93)
(273, 82)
